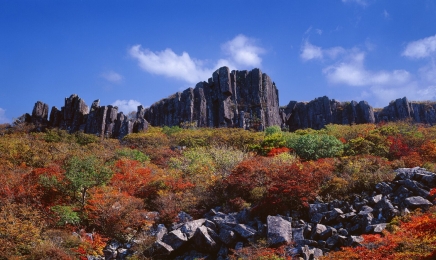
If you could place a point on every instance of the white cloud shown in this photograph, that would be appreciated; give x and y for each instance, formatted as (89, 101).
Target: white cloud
(348, 68)
(170, 64)
(126, 106)
(421, 48)
(428, 72)
(386, 14)
(111, 76)
(241, 51)
(351, 71)
(311, 52)
(413, 91)
(360, 2)
(3, 118)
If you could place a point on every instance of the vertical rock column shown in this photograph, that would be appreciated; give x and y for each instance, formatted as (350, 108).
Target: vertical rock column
(40, 113)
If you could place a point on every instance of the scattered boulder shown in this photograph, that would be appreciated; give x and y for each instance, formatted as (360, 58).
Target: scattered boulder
(279, 231)
(417, 202)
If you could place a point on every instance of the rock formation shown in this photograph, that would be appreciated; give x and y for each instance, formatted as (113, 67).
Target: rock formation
(40, 113)
(229, 99)
(322, 111)
(244, 99)
(99, 120)
(401, 109)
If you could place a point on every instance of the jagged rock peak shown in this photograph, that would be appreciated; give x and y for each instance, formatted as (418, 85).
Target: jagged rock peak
(229, 99)
(100, 120)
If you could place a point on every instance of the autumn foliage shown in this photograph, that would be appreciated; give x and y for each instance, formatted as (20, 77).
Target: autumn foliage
(411, 238)
(71, 193)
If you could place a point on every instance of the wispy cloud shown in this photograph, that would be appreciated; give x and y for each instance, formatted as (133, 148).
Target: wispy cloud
(3, 118)
(359, 2)
(421, 48)
(239, 52)
(112, 76)
(312, 52)
(348, 68)
(126, 106)
(386, 14)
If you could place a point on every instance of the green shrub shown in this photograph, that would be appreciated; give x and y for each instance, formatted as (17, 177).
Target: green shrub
(84, 139)
(313, 147)
(171, 130)
(272, 130)
(132, 154)
(66, 215)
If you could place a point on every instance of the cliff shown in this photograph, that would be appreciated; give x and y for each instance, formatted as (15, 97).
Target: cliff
(228, 99)
(243, 99)
(402, 108)
(322, 111)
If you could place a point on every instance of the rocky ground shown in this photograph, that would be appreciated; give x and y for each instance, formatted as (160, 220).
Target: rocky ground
(325, 227)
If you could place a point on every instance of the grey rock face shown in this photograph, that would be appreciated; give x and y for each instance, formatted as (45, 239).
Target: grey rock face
(99, 120)
(73, 114)
(40, 113)
(402, 108)
(322, 111)
(229, 99)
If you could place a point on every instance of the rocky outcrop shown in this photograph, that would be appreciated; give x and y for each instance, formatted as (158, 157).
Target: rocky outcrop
(322, 111)
(327, 227)
(403, 109)
(229, 99)
(40, 113)
(243, 99)
(99, 120)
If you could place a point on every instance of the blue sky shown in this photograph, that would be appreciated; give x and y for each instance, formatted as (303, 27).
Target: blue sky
(129, 52)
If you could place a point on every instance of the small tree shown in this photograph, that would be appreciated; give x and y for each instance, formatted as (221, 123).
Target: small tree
(83, 174)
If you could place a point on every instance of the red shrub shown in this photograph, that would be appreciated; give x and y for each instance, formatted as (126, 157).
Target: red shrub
(276, 151)
(398, 147)
(275, 187)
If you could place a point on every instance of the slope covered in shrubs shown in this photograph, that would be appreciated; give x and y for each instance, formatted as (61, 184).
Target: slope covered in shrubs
(74, 192)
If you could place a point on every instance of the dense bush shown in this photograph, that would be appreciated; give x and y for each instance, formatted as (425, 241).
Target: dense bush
(313, 147)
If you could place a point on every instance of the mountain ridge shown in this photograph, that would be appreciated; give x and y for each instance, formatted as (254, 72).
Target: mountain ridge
(243, 99)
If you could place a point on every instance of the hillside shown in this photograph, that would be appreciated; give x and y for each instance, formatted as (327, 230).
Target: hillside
(74, 193)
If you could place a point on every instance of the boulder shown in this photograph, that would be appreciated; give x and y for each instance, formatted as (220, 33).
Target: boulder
(279, 231)
(189, 228)
(204, 242)
(227, 235)
(418, 202)
(175, 239)
(245, 231)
